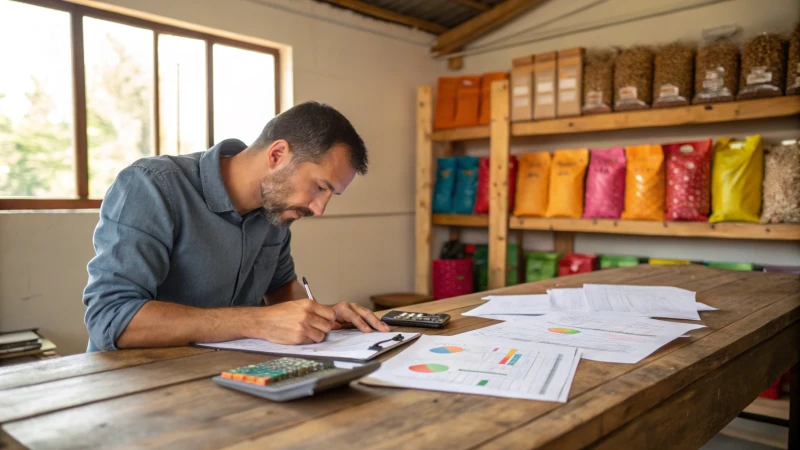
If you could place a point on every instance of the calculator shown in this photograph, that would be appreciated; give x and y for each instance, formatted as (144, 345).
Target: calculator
(284, 379)
(415, 319)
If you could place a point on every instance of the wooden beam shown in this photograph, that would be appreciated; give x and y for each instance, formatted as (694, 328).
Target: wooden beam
(500, 133)
(422, 274)
(391, 16)
(476, 27)
(474, 4)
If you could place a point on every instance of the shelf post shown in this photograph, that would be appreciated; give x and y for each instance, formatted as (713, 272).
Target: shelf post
(424, 216)
(499, 141)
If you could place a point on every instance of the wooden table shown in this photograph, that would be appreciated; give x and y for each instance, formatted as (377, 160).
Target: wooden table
(679, 397)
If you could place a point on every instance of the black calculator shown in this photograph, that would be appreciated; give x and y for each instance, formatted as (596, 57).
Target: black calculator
(415, 319)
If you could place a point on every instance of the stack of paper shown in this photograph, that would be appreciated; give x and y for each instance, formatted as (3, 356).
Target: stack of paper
(472, 365)
(602, 338)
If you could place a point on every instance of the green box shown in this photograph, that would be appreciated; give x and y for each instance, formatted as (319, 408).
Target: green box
(731, 266)
(612, 261)
(541, 266)
(480, 264)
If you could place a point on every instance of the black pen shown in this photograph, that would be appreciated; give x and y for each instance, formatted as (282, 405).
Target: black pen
(308, 289)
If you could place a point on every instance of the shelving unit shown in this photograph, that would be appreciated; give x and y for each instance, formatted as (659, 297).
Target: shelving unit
(441, 143)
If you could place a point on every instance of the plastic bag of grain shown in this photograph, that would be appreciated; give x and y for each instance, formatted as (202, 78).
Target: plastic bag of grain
(688, 180)
(445, 184)
(736, 180)
(533, 184)
(598, 82)
(672, 81)
(793, 67)
(466, 185)
(716, 75)
(566, 183)
(633, 79)
(605, 184)
(782, 183)
(644, 183)
(763, 67)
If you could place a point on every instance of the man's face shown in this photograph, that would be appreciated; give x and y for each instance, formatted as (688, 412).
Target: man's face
(304, 189)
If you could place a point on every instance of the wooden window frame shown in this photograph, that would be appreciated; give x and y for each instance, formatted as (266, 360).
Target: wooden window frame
(77, 13)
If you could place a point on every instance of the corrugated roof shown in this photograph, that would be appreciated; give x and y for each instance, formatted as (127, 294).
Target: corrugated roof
(447, 13)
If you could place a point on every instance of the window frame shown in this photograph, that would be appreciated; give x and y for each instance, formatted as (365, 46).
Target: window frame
(77, 13)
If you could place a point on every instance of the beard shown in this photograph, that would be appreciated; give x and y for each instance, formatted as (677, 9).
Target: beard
(275, 191)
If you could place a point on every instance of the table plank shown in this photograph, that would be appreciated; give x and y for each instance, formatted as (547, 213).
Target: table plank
(28, 401)
(425, 420)
(715, 399)
(9, 443)
(87, 363)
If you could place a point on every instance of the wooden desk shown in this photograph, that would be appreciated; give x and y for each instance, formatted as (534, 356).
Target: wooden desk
(679, 397)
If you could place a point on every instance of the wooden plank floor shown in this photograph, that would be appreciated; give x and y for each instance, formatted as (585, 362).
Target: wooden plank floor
(164, 398)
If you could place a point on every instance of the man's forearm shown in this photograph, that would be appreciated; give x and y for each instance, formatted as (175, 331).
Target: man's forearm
(292, 290)
(166, 324)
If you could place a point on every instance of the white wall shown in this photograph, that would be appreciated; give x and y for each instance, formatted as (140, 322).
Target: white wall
(367, 69)
(753, 16)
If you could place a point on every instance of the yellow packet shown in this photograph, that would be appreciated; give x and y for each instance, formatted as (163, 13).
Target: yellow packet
(736, 178)
(644, 183)
(533, 182)
(566, 183)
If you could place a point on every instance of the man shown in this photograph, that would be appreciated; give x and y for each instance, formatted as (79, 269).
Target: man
(190, 248)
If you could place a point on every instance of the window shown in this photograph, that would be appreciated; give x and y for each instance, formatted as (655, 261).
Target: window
(104, 90)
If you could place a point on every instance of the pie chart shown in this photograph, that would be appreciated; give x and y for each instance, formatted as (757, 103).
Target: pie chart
(447, 349)
(428, 368)
(563, 330)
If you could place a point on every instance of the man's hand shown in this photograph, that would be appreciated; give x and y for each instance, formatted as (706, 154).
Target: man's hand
(360, 317)
(295, 322)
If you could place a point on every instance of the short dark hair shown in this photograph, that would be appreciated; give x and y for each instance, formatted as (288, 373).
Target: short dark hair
(312, 129)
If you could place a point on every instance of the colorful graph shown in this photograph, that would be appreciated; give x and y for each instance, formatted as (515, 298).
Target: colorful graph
(447, 349)
(428, 368)
(563, 330)
(483, 382)
(508, 356)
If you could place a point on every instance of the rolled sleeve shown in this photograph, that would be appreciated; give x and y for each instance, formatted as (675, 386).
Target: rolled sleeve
(133, 242)
(284, 272)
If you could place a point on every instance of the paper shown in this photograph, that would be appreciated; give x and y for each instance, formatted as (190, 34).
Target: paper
(642, 301)
(609, 339)
(345, 344)
(513, 304)
(704, 307)
(570, 299)
(502, 368)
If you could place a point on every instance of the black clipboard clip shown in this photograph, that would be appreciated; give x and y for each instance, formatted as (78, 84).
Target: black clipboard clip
(377, 346)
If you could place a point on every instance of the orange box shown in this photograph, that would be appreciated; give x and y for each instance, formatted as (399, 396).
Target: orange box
(468, 100)
(446, 102)
(522, 88)
(546, 86)
(485, 114)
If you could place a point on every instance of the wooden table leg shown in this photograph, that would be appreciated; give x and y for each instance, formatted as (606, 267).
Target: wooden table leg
(794, 407)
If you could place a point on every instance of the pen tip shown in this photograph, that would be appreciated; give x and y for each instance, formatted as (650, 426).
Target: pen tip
(304, 280)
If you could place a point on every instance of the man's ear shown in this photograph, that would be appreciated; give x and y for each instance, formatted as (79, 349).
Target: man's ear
(278, 153)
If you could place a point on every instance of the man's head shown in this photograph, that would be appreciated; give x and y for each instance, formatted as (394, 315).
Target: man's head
(312, 153)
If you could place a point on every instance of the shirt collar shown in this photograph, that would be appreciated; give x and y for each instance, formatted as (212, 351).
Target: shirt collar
(214, 191)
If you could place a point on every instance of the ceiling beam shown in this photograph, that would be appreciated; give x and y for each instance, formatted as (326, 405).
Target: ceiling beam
(474, 4)
(457, 37)
(391, 16)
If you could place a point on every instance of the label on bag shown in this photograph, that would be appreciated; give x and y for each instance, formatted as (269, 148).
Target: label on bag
(568, 96)
(520, 90)
(628, 93)
(518, 102)
(567, 83)
(544, 87)
(668, 90)
(759, 75)
(714, 79)
(544, 99)
(594, 98)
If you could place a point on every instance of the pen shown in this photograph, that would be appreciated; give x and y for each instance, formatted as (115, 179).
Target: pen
(308, 289)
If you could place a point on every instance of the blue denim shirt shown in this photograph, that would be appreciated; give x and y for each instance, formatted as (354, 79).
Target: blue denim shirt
(168, 231)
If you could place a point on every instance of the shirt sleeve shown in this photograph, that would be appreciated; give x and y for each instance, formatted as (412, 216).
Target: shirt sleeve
(132, 242)
(284, 272)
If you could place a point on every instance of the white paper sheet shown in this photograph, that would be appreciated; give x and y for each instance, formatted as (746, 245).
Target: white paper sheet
(642, 301)
(704, 307)
(513, 304)
(609, 339)
(569, 299)
(345, 344)
(501, 368)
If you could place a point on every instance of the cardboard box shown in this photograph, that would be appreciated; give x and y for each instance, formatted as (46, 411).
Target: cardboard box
(522, 88)
(570, 82)
(546, 86)
(468, 98)
(485, 114)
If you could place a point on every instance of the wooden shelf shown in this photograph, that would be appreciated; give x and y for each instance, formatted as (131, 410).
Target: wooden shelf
(658, 117)
(728, 230)
(461, 134)
(461, 220)
(778, 409)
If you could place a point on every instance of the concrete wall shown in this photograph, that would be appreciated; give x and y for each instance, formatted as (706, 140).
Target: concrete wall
(367, 69)
(753, 16)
